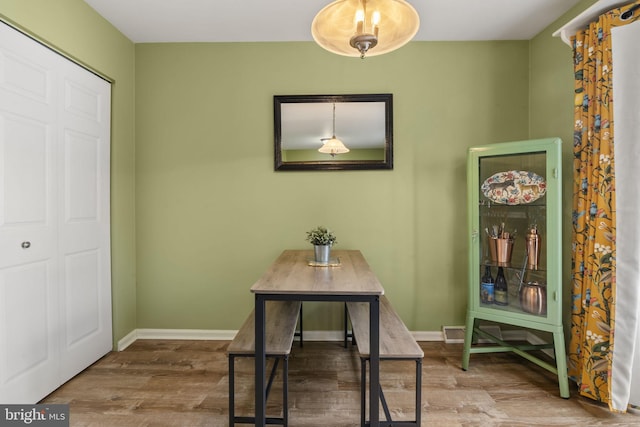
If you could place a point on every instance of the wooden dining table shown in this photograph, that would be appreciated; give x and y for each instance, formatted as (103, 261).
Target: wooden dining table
(293, 276)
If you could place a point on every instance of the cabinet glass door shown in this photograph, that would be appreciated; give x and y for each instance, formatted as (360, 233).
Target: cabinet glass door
(512, 220)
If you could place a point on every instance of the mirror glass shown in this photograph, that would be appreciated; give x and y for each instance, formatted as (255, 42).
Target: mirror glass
(304, 123)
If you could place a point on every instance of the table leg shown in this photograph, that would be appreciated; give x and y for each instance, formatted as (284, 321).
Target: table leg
(260, 360)
(374, 363)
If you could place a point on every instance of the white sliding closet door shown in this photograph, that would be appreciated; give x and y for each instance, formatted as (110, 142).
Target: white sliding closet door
(28, 222)
(84, 231)
(55, 274)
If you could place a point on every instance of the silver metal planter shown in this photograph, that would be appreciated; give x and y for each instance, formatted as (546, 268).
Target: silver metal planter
(322, 253)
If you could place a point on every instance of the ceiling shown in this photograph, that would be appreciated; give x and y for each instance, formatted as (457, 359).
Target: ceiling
(156, 21)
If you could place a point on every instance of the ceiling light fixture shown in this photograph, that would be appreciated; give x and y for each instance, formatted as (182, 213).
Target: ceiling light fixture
(365, 27)
(333, 145)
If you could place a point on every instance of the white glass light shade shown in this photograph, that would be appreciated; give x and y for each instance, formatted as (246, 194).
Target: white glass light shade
(333, 146)
(336, 24)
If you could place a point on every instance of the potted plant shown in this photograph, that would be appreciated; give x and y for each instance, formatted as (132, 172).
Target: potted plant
(322, 239)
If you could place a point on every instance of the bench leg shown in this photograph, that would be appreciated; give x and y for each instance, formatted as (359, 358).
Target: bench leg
(284, 421)
(418, 392)
(231, 391)
(389, 421)
(363, 391)
(285, 392)
(363, 395)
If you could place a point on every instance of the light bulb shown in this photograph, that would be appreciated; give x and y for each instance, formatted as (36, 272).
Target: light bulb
(359, 21)
(375, 22)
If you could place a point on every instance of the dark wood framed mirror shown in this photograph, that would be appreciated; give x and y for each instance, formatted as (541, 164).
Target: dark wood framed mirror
(304, 123)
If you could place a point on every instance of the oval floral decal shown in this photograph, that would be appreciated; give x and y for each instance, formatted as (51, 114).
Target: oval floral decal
(514, 187)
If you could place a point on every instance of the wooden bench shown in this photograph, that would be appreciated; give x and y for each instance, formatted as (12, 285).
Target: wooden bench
(281, 318)
(396, 343)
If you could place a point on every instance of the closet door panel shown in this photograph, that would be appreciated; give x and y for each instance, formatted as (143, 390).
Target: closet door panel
(29, 351)
(84, 225)
(27, 299)
(82, 296)
(25, 171)
(81, 178)
(27, 189)
(23, 76)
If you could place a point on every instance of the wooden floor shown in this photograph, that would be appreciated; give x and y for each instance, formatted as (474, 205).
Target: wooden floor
(184, 383)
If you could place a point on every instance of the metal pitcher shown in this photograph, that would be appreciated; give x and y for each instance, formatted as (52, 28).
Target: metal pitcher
(533, 298)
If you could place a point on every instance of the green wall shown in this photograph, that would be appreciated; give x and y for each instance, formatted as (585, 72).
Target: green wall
(212, 214)
(198, 212)
(74, 28)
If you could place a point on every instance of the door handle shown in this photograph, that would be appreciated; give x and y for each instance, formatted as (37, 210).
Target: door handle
(26, 245)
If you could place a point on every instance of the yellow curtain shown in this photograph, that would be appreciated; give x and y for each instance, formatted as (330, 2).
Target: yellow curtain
(594, 200)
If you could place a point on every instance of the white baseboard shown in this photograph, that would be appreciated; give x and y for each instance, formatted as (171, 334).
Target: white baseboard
(176, 334)
(186, 334)
(227, 335)
(129, 339)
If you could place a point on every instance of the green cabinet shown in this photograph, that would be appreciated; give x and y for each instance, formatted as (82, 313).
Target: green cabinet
(514, 195)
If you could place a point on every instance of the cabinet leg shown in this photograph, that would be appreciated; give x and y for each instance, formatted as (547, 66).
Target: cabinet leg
(468, 338)
(561, 363)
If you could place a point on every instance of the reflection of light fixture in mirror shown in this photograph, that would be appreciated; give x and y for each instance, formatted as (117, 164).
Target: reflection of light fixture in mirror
(333, 145)
(353, 27)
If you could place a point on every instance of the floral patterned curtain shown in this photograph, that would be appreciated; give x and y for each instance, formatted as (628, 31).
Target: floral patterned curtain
(594, 207)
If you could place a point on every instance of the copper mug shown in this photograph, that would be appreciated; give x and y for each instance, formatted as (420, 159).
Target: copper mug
(533, 298)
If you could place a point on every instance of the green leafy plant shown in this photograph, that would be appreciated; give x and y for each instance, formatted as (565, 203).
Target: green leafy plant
(321, 236)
